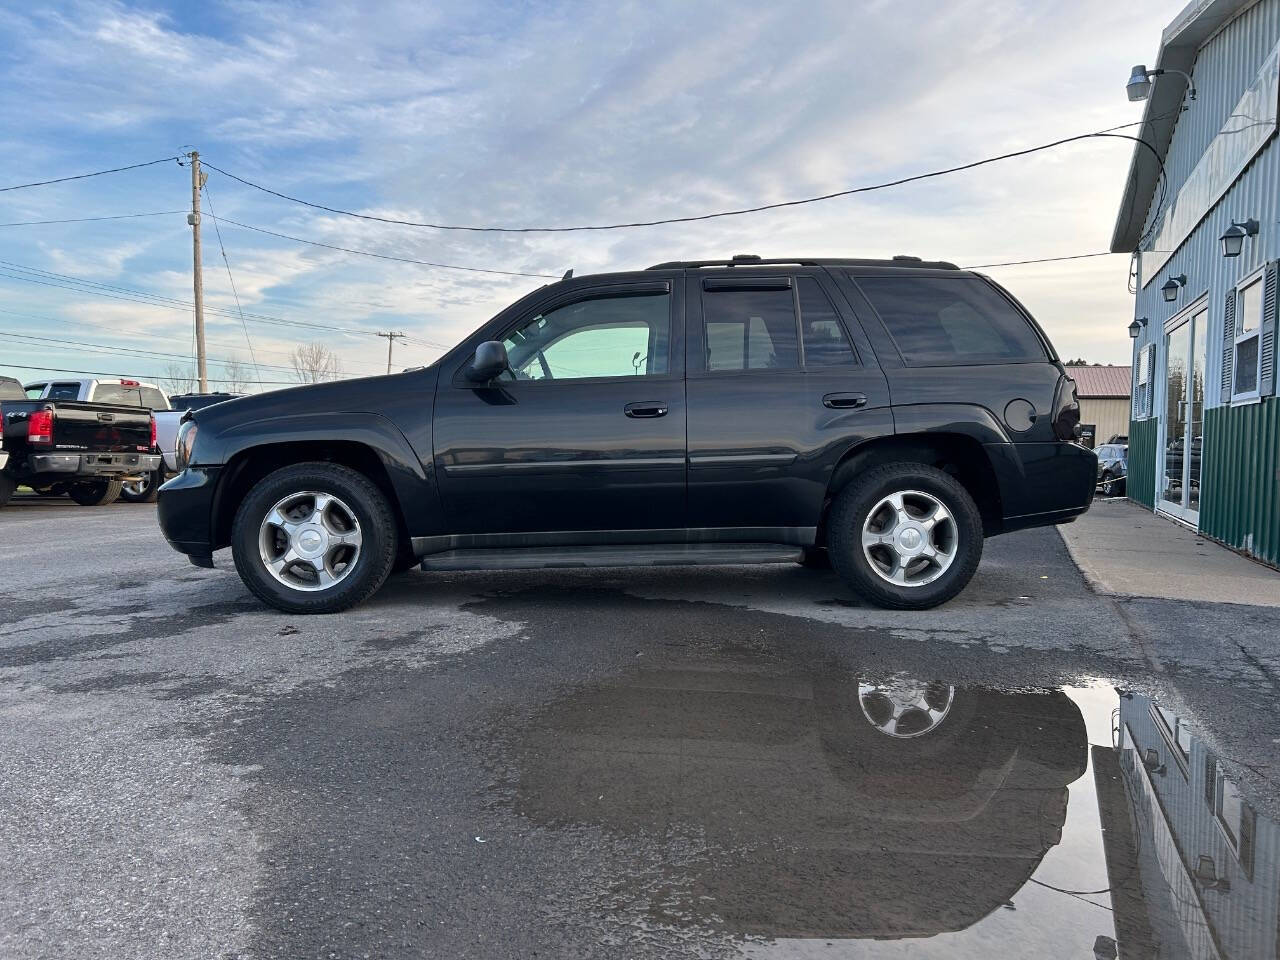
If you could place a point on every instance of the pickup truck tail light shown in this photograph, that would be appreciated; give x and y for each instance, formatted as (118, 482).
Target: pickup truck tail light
(40, 428)
(153, 434)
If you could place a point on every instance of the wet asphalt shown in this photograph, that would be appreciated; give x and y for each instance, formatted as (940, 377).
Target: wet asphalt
(737, 761)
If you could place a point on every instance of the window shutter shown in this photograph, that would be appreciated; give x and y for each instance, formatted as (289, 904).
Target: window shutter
(1228, 345)
(1267, 338)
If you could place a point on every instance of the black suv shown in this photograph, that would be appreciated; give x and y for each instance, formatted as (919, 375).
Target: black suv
(883, 414)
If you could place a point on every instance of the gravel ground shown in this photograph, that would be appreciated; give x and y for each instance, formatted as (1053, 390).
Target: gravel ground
(188, 774)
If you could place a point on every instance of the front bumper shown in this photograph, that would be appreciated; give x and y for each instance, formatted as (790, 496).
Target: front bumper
(94, 464)
(184, 509)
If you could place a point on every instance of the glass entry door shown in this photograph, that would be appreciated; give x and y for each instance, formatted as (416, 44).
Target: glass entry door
(1183, 419)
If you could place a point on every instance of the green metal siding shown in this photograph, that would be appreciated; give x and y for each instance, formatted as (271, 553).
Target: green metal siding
(1141, 485)
(1240, 482)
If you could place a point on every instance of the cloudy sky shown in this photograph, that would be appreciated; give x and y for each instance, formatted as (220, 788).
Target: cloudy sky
(535, 114)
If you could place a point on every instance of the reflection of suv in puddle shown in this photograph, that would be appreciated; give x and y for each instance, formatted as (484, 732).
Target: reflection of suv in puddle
(828, 808)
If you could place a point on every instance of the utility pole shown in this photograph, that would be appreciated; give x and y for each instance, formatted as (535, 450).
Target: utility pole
(391, 339)
(193, 218)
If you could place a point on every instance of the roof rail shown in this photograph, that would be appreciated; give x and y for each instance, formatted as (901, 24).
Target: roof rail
(751, 260)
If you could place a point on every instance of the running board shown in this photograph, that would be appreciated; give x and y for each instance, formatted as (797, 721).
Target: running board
(637, 555)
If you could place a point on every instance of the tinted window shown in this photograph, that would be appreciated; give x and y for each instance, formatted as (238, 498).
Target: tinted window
(64, 391)
(750, 329)
(34, 390)
(148, 397)
(935, 320)
(623, 336)
(825, 341)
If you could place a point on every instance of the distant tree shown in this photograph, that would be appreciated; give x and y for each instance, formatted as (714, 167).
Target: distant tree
(236, 376)
(1079, 362)
(315, 363)
(178, 378)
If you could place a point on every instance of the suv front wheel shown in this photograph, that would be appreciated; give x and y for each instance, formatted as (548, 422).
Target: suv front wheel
(314, 538)
(906, 536)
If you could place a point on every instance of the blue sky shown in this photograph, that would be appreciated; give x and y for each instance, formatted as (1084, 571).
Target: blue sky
(538, 113)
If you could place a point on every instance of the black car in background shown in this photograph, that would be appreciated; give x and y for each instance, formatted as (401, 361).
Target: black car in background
(1113, 468)
(885, 414)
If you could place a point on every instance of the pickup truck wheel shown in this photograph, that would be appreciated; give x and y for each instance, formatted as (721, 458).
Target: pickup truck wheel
(7, 486)
(143, 490)
(906, 536)
(95, 493)
(314, 538)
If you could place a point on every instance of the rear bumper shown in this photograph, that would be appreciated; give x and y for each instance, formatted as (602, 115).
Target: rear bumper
(1043, 483)
(93, 464)
(184, 510)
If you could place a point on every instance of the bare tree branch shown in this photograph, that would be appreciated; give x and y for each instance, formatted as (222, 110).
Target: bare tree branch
(315, 363)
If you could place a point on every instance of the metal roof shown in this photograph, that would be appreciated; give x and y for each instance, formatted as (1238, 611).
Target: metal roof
(1100, 383)
(1179, 43)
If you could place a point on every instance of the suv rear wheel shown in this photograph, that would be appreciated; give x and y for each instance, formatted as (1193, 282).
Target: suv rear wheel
(906, 536)
(314, 538)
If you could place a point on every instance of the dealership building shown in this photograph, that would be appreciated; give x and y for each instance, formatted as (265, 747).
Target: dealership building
(1201, 208)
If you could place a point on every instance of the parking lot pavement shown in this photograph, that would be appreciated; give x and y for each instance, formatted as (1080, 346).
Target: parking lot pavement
(608, 763)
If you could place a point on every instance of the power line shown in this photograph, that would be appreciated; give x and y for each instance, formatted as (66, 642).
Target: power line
(118, 329)
(151, 376)
(127, 294)
(85, 176)
(121, 216)
(382, 256)
(1018, 263)
(231, 280)
(96, 347)
(1108, 132)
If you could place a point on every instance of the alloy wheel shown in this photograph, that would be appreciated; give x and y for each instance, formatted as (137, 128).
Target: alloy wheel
(910, 538)
(310, 540)
(905, 708)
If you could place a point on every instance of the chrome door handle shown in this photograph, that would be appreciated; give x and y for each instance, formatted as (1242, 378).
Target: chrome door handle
(644, 409)
(844, 401)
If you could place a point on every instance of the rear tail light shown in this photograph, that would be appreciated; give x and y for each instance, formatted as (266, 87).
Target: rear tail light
(40, 428)
(1066, 411)
(153, 433)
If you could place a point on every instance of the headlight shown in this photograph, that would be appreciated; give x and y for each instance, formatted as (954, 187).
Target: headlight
(186, 443)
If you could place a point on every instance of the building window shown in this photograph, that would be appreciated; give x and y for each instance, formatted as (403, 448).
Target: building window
(1246, 365)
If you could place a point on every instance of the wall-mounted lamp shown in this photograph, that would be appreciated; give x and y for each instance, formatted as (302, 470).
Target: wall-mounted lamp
(1139, 85)
(1135, 331)
(1172, 286)
(1233, 237)
(1151, 760)
(1207, 875)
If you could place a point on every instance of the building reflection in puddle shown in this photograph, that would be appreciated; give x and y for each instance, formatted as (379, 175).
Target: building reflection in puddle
(885, 810)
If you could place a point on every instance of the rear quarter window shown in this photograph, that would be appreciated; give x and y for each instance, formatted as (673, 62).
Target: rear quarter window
(937, 321)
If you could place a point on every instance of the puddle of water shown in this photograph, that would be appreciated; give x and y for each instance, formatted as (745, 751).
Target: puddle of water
(885, 816)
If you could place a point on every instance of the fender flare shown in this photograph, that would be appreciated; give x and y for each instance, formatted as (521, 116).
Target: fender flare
(413, 483)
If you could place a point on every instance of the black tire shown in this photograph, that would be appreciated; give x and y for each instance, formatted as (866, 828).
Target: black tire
(815, 558)
(146, 491)
(1112, 486)
(369, 570)
(95, 493)
(7, 486)
(852, 509)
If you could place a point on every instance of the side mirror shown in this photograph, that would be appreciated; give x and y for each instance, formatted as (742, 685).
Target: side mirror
(490, 360)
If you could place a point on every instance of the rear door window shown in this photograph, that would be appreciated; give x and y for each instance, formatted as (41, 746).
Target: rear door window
(750, 329)
(825, 342)
(34, 390)
(938, 321)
